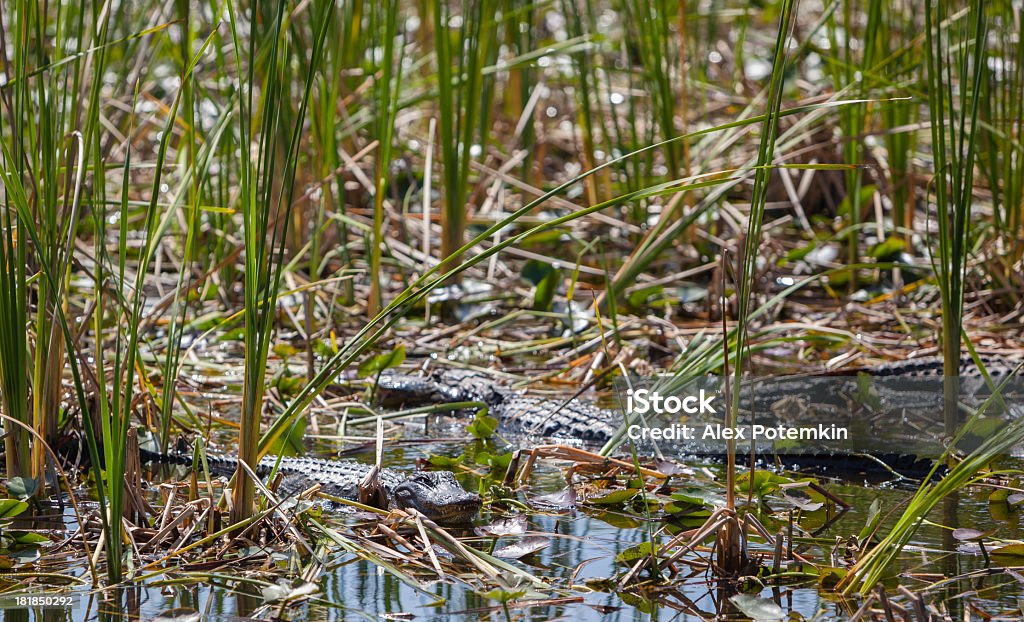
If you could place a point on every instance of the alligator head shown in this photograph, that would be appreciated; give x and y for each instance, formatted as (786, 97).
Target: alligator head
(443, 385)
(438, 496)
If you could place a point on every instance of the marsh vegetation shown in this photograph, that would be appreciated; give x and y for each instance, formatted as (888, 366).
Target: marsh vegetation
(221, 223)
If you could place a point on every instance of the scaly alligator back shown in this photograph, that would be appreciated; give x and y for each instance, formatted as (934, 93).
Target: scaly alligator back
(573, 420)
(437, 494)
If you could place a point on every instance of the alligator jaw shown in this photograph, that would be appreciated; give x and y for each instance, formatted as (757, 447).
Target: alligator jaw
(438, 496)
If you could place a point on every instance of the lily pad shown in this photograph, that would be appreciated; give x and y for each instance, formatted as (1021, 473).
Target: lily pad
(616, 496)
(380, 362)
(564, 499)
(967, 534)
(828, 578)
(510, 526)
(1013, 553)
(801, 500)
(503, 596)
(525, 546)
(634, 553)
(9, 508)
(757, 608)
(22, 487)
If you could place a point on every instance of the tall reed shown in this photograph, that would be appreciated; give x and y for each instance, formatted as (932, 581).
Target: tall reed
(266, 196)
(387, 87)
(462, 44)
(953, 45)
(729, 539)
(658, 55)
(955, 59)
(44, 152)
(1001, 125)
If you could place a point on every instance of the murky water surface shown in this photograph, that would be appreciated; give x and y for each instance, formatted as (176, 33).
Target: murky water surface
(579, 564)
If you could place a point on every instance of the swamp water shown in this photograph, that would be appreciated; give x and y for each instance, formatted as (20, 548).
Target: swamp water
(578, 564)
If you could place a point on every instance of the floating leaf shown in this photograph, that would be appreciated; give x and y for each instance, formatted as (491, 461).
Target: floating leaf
(22, 487)
(633, 553)
(483, 425)
(503, 596)
(639, 603)
(615, 497)
(685, 504)
(672, 468)
(764, 482)
(757, 608)
(445, 461)
(829, 578)
(965, 533)
(525, 546)
(283, 592)
(619, 520)
(510, 526)
(28, 537)
(693, 502)
(701, 496)
(9, 508)
(380, 362)
(1014, 552)
(801, 500)
(564, 499)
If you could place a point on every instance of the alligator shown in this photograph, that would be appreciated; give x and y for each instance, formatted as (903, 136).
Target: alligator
(531, 418)
(439, 496)
(518, 414)
(915, 383)
(934, 367)
(435, 494)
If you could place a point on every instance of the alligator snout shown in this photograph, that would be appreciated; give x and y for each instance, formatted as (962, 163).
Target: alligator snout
(438, 496)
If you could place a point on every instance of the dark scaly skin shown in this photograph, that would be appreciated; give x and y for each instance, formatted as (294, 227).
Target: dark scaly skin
(933, 367)
(574, 420)
(440, 497)
(518, 414)
(910, 383)
(436, 494)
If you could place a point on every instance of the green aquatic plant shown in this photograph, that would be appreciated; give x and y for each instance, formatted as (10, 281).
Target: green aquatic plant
(953, 43)
(267, 189)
